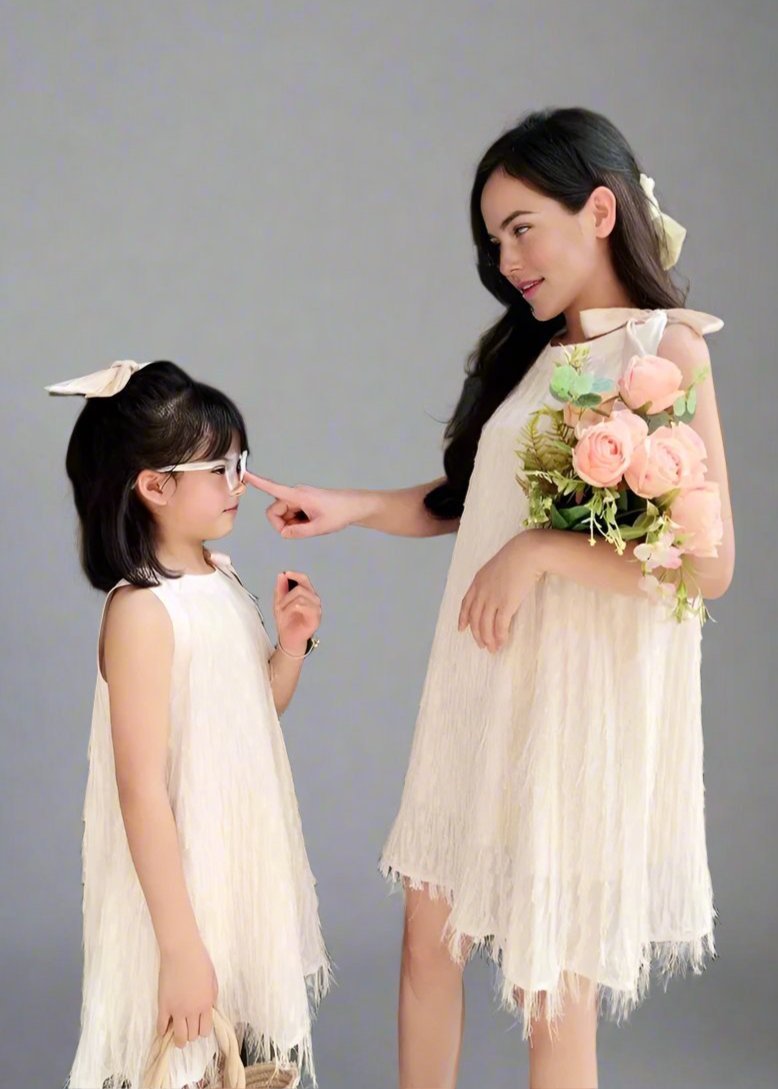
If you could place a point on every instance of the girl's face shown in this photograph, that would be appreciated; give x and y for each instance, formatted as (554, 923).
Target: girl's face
(202, 504)
(548, 253)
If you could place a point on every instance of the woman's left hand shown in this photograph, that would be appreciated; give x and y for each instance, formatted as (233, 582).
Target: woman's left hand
(297, 612)
(499, 588)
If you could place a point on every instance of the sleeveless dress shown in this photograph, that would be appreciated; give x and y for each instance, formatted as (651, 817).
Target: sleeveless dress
(554, 794)
(245, 864)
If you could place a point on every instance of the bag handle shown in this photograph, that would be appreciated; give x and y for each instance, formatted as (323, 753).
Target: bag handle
(157, 1074)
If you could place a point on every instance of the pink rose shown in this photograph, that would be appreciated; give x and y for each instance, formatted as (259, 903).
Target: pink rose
(661, 462)
(695, 447)
(603, 452)
(697, 514)
(638, 427)
(652, 380)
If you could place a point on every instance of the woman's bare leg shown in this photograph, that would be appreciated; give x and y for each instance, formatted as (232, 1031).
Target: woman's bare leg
(566, 1056)
(432, 1002)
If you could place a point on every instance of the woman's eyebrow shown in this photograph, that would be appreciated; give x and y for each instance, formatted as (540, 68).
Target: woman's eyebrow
(512, 216)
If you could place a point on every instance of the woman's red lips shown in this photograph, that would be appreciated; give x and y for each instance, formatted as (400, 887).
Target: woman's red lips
(529, 287)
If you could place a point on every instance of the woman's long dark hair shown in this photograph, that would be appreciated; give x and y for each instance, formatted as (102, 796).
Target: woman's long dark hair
(162, 417)
(565, 154)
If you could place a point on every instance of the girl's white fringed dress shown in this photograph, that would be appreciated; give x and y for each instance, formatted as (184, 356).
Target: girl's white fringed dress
(245, 863)
(554, 794)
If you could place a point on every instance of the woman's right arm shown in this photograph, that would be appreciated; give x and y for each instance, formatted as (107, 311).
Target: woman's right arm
(304, 511)
(138, 659)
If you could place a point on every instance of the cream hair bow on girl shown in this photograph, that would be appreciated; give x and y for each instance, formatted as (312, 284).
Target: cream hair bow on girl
(671, 233)
(103, 383)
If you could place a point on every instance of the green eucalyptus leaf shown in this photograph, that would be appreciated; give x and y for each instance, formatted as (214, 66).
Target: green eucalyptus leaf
(632, 533)
(572, 515)
(557, 521)
(661, 419)
(561, 381)
(588, 400)
(580, 384)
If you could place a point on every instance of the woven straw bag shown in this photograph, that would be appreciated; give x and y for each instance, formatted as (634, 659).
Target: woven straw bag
(233, 1073)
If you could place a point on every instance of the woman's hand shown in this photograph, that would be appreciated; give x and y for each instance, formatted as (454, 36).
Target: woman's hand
(187, 993)
(499, 588)
(297, 612)
(303, 511)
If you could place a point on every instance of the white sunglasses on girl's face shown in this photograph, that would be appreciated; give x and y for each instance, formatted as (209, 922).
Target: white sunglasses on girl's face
(234, 466)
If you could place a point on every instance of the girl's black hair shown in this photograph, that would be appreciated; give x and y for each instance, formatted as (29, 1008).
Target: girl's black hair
(565, 154)
(162, 417)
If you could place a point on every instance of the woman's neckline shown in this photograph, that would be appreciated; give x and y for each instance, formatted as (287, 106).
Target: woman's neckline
(583, 343)
(606, 333)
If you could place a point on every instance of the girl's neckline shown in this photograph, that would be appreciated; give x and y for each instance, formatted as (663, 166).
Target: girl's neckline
(208, 557)
(200, 578)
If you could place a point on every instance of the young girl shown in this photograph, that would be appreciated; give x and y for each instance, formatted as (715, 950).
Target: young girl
(197, 888)
(552, 813)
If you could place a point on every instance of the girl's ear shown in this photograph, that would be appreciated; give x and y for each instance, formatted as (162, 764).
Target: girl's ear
(155, 489)
(602, 203)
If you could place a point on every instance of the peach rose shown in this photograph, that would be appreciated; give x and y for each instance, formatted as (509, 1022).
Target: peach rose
(697, 514)
(652, 380)
(637, 425)
(603, 452)
(695, 448)
(661, 462)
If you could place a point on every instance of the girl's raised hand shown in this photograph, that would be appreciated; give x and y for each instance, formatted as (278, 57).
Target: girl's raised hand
(188, 990)
(499, 588)
(297, 612)
(303, 511)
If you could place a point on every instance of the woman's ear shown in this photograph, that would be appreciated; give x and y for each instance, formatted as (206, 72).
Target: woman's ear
(602, 204)
(155, 489)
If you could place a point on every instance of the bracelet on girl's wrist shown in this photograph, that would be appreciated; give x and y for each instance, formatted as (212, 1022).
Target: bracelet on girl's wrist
(311, 645)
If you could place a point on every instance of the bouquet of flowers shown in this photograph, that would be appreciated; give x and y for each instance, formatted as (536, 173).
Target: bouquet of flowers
(621, 462)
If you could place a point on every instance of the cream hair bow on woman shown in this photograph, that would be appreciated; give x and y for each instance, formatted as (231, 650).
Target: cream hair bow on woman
(671, 233)
(103, 383)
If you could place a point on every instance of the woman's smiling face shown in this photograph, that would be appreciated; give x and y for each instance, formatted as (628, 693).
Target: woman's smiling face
(545, 251)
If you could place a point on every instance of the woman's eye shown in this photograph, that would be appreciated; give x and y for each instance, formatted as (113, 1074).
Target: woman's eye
(219, 469)
(519, 229)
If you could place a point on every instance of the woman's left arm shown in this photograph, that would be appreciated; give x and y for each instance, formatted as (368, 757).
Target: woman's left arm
(501, 585)
(688, 350)
(567, 554)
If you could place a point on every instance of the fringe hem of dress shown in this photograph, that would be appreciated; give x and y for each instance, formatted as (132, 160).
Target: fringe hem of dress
(530, 1004)
(259, 1047)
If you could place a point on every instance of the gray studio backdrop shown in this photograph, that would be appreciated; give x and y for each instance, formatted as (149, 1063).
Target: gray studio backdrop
(275, 196)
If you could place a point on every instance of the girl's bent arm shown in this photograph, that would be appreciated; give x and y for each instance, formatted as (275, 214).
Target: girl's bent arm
(284, 676)
(138, 655)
